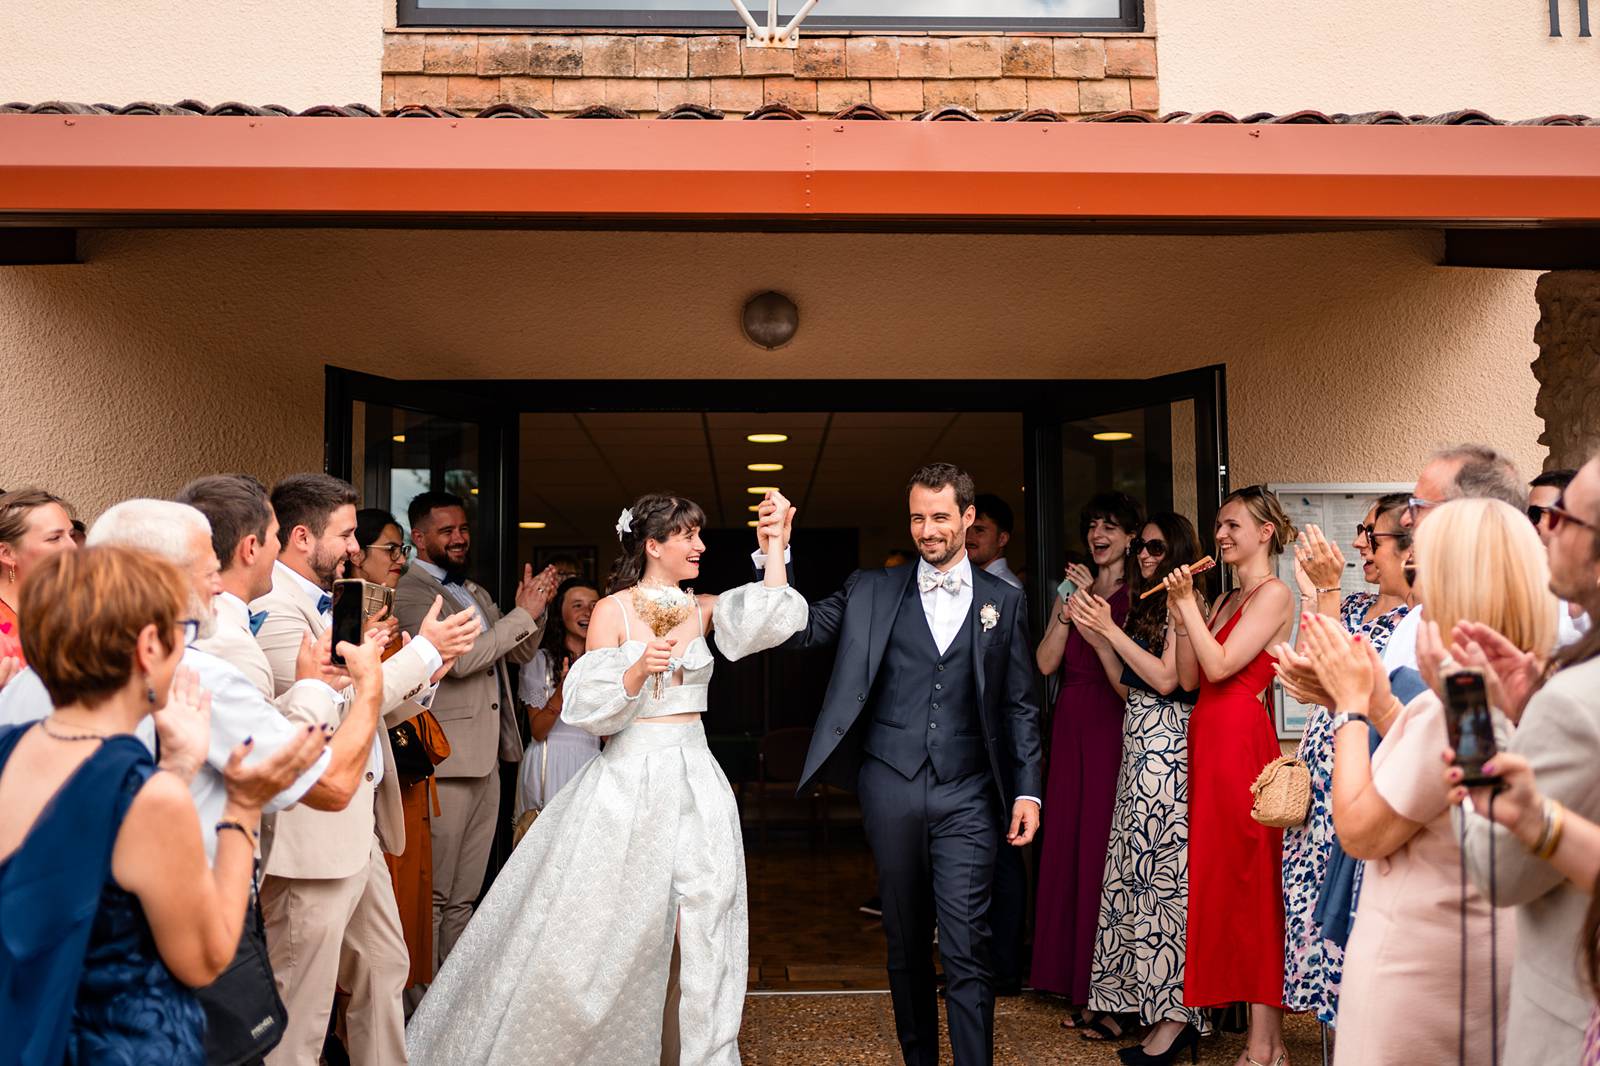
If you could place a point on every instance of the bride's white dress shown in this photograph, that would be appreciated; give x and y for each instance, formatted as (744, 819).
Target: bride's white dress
(567, 960)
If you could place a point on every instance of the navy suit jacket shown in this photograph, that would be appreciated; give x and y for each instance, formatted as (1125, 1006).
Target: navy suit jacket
(858, 619)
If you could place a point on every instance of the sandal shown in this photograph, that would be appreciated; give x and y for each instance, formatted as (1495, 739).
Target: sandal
(1101, 1029)
(1073, 1020)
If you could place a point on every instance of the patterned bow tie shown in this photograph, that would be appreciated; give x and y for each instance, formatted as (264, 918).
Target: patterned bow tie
(257, 620)
(324, 601)
(951, 582)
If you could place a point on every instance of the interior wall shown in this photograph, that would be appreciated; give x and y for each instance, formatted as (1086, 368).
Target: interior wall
(291, 52)
(172, 353)
(1365, 55)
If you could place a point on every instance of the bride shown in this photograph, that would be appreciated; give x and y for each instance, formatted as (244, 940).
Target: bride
(621, 916)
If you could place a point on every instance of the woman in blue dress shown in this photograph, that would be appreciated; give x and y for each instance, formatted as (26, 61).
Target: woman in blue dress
(108, 907)
(1313, 958)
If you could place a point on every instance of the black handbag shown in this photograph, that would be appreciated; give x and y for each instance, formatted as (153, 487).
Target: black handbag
(419, 745)
(245, 1017)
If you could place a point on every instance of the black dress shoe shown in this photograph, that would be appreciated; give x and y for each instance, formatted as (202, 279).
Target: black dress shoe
(1187, 1039)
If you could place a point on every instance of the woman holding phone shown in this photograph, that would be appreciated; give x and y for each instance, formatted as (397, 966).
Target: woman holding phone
(1402, 999)
(1085, 755)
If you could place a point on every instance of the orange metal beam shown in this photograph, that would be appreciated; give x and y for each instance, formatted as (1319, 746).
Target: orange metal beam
(109, 169)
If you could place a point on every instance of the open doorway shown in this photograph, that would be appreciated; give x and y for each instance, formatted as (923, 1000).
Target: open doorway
(547, 466)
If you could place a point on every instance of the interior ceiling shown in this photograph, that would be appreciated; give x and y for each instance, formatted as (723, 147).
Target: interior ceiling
(843, 470)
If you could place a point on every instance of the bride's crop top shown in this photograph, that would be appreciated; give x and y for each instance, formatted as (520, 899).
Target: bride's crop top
(747, 619)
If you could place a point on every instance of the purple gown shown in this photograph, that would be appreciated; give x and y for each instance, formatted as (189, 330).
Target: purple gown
(1080, 793)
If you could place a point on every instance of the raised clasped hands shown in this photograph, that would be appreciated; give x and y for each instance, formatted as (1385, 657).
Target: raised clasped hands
(774, 522)
(183, 725)
(535, 591)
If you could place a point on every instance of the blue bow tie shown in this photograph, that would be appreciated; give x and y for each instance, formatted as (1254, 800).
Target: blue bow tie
(458, 580)
(257, 619)
(324, 602)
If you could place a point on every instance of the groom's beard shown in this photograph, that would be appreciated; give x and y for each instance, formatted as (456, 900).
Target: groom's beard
(939, 553)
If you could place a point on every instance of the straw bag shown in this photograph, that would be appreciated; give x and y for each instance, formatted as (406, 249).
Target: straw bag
(526, 819)
(1282, 793)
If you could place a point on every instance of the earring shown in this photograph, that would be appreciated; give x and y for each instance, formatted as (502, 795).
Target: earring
(150, 694)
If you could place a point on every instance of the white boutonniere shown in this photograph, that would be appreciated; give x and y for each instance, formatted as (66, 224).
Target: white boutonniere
(989, 616)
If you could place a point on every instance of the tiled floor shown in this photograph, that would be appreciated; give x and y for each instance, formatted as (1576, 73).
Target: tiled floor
(805, 931)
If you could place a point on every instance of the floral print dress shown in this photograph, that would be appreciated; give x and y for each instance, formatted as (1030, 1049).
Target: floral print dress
(1312, 965)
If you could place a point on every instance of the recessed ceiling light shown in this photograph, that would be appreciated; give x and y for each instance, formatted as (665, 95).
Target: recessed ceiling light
(763, 468)
(761, 490)
(530, 525)
(767, 438)
(399, 438)
(754, 507)
(752, 524)
(474, 492)
(1113, 435)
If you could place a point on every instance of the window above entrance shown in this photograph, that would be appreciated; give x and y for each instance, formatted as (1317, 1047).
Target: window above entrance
(1042, 15)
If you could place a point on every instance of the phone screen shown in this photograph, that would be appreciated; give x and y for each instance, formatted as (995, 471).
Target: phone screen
(348, 614)
(1469, 724)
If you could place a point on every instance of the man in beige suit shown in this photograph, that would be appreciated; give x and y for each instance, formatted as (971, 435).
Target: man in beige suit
(332, 921)
(476, 703)
(1559, 734)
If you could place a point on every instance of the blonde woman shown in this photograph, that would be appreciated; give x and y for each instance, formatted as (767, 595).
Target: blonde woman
(1402, 1000)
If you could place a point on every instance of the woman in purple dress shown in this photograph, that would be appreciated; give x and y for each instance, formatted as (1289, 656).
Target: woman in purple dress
(1085, 756)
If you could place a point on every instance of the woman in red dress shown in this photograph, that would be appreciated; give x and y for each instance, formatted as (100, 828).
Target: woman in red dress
(1235, 931)
(34, 525)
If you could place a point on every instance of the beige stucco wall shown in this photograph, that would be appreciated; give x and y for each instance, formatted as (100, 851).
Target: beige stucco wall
(1362, 55)
(292, 52)
(171, 353)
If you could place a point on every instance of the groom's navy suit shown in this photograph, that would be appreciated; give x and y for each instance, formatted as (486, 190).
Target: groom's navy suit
(938, 745)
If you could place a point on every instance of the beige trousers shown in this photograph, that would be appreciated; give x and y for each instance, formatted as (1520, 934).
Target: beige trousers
(331, 933)
(463, 837)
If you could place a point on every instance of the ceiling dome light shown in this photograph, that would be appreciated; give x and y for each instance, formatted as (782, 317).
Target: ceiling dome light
(766, 438)
(1113, 435)
(763, 468)
(770, 320)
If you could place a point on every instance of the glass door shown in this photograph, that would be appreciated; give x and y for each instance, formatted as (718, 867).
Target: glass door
(1161, 441)
(396, 439)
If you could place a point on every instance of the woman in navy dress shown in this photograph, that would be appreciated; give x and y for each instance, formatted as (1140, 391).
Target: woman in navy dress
(108, 908)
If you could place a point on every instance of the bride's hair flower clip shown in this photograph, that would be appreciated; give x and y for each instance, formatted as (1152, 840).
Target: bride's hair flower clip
(624, 522)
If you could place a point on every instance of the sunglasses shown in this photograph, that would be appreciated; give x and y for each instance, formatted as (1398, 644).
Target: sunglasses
(1559, 515)
(1154, 548)
(1373, 536)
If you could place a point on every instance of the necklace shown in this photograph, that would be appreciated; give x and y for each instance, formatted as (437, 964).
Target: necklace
(45, 724)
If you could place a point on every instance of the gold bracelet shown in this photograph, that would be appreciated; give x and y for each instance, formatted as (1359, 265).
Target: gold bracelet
(1555, 820)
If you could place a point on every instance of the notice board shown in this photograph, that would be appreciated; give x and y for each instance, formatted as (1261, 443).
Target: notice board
(1335, 508)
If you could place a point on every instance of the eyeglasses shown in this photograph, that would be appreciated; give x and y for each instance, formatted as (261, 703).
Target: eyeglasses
(1559, 514)
(1418, 503)
(191, 630)
(1536, 513)
(397, 552)
(1154, 548)
(1373, 536)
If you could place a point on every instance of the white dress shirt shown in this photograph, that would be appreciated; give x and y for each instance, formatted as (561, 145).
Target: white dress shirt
(238, 710)
(945, 610)
(998, 567)
(430, 655)
(1402, 647)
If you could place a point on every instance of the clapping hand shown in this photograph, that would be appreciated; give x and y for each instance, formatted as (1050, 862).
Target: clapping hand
(253, 786)
(1344, 664)
(1299, 676)
(183, 725)
(1092, 615)
(1511, 673)
(452, 635)
(1080, 575)
(1319, 559)
(535, 591)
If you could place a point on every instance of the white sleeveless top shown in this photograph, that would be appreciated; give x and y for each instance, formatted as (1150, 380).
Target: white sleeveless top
(691, 695)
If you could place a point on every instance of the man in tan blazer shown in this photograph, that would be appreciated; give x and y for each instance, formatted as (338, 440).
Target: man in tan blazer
(332, 921)
(476, 704)
(1559, 734)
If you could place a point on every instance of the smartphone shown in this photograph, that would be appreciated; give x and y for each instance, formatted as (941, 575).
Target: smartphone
(1066, 588)
(349, 613)
(1469, 723)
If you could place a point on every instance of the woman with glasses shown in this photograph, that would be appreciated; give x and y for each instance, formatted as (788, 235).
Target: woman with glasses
(1235, 931)
(1085, 754)
(1313, 864)
(381, 560)
(1138, 958)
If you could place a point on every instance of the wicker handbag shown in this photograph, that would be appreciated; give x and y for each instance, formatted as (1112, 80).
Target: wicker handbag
(1282, 793)
(526, 819)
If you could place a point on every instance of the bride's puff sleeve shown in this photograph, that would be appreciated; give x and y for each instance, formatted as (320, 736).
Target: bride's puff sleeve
(593, 698)
(756, 617)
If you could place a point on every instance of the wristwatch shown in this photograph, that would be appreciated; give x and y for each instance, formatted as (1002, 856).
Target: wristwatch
(1344, 718)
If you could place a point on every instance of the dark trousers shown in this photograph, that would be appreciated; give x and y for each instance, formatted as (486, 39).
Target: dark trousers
(935, 842)
(1008, 913)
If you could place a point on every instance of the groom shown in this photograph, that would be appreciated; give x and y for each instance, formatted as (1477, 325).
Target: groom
(930, 717)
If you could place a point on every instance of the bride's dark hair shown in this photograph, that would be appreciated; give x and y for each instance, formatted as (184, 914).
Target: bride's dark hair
(656, 516)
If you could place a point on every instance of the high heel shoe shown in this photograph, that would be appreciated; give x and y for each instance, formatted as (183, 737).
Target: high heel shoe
(1275, 1062)
(1187, 1039)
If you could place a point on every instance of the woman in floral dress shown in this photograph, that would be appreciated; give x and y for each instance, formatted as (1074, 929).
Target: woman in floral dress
(1313, 963)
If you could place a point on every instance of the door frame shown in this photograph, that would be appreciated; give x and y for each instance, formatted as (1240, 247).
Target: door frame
(1044, 404)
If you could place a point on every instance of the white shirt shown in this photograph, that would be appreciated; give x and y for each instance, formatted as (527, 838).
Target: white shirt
(464, 600)
(1570, 630)
(430, 655)
(238, 711)
(998, 567)
(946, 611)
(1402, 647)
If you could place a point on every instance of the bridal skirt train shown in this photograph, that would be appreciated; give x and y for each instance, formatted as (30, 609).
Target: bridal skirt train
(568, 958)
